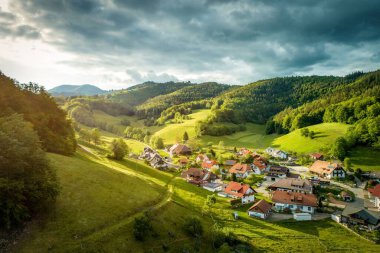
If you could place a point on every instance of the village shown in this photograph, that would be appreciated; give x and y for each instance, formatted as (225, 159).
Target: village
(272, 186)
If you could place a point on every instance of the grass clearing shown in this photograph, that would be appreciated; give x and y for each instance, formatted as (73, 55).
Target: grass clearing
(326, 134)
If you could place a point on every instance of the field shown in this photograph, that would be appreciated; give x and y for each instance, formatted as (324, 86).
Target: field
(365, 158)
(100, 198)
(326, 134)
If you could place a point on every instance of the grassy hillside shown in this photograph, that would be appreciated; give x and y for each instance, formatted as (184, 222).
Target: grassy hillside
(100, 199)
(170, 132)
(326, 134)
(365, 158)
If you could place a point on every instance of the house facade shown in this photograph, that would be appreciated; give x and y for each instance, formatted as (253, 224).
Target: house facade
(261, 209)
(241, 170)
(374, 194)
(275, 173)
(276, 153)
(294, 201)
(238, 190)
(292, 185)
(327, 170)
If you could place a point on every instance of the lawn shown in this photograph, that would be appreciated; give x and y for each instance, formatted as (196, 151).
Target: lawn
(253, 138)
(365, 158)
(92, 197)
(326, 134)
(173, 131)
(98, 203)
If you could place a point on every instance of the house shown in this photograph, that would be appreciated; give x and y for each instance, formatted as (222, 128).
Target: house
(261, 209)
(244, 152)
(275, 173)
(292, 185)
(360, 216)
(327, 170)
(259, 167)
(316, 156)
(374, 193)
(199, 177)
(201, 158)
(183, 161)
(210, 164)
(241, 170)
(239, 190)
(294, 201)
(179, 149)
(213, 187)
(276, 153)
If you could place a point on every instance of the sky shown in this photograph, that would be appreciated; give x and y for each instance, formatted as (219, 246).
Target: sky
(117, 43)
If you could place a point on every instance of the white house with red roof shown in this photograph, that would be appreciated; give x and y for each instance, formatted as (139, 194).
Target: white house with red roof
(238, 190)
(241, 170)
(261, 209)
(294, 201)
(259, 167)
(201, 158)
(374, 193)
(210, 164)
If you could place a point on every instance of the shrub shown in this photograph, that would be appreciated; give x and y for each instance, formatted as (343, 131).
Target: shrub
(193, 227)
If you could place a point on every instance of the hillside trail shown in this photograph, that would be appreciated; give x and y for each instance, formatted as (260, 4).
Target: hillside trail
(107, 232)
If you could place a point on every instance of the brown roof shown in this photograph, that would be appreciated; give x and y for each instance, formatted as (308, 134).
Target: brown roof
(316, 155)
(239, 168)
(261, 207)
(323, 167)
(237, 189)
(197, 176)
(295, 198)
(180, 149)
(292, 184)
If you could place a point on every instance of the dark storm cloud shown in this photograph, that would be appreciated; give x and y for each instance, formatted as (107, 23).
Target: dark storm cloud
(11, 27)
(274, 37)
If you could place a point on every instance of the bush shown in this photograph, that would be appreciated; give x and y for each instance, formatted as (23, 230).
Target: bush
(142, 227)
(193, 227)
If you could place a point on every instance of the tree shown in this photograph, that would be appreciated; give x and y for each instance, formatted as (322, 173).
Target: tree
(159, 143)
(142, 227)
(338, 149)
(119, 149)
(193, 227)
(233, 177)
(95, 135)
(347, 164)
(311, 134)
(28, 185)
(212, 152)
(185, 136)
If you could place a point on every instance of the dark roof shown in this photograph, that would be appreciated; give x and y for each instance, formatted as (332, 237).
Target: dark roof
(371, 217)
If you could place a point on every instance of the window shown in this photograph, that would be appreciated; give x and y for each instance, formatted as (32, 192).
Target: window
(309, 208)
(291, 206)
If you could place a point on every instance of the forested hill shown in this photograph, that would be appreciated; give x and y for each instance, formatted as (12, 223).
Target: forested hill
(76, 90)
(154, 106)
(138, 94)
(257, 102)
(38, 108)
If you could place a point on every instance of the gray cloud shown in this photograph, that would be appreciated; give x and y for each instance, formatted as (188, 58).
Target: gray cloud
(11, 26)
(242, 40)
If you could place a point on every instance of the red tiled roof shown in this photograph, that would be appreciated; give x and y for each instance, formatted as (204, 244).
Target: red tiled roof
(237, 189)
(260, 165)
(316, 155)
(209, 164)
(239, 168)
(295, 198)
(375, 191)
(261, 207)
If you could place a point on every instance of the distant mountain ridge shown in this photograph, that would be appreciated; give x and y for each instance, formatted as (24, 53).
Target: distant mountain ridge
(76, 90)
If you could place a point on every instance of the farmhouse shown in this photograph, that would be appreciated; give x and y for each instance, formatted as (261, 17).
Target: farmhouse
(277, 172)
(360, 216)
(210, 164)
(201, 158)
(294, 201)
(259, 167)
(374, 193)
(292, 185)
(327, 170)
(199, 177)
(260, 209)
(276, 153)
(179, 149)
(316, 156)
(239, 190)
(241, 170)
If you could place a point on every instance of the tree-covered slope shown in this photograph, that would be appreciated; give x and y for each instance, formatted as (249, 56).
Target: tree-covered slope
(76, 90)
(138, 94)
(259, 101)
(38, 108)
(154, 106)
